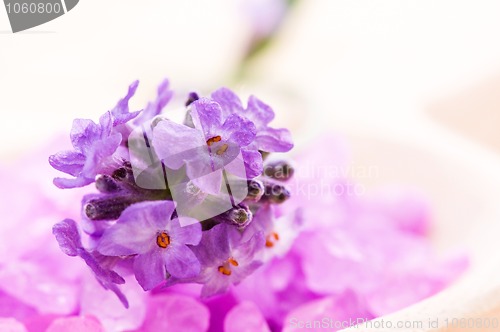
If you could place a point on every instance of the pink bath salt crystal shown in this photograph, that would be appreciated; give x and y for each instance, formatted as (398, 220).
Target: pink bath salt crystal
(172, 312)
(40, 323)
(245, 317)
(76, 324)
(331, 313)
(404, 209)
(11, 325)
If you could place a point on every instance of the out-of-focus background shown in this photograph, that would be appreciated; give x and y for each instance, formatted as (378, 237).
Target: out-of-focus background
(384, 66)
(413, 85)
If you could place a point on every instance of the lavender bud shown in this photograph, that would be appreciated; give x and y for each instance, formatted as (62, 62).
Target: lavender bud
(106, 184)
(255, 190)
(279, 170)
(193, 96)
(275, 193)
(239, 216)
(107, 208)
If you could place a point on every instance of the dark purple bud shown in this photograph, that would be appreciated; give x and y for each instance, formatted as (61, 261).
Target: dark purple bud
(279, 170)
(275, 193)
(107, 207)
(192, 97)
(106, 184)
(255, 190)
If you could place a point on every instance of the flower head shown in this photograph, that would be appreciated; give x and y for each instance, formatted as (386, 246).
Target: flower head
(175, 202)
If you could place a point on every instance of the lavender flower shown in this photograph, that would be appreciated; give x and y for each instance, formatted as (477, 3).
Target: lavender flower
(207, 148)
(94, 145)
(160, 243)
(225, 259)
(267, 139)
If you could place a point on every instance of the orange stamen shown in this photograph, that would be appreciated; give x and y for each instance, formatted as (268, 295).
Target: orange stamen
(224, 270)
(213, 140)
(163, 240)
(271, 239)
(232, 261)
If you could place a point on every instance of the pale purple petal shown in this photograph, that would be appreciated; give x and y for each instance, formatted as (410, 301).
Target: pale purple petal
(253, 163)
(239, 130)
(209, 183)
(274, 140)
(245, 317)
(164, 94)
(258, 112)
(69, 162)
(176, 144)
(83, 134)
(206, 115)
(228, 101)
(149, 269)
(68, 237)
(120, 113)
(181, 262)
(190, 234)
(213, 245)
(63, 183)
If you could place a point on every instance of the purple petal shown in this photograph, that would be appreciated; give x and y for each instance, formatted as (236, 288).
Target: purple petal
(68, 237)
(206, 115)
(154, 108)
(209, 183)
(190, 234)
(83, 134)
(120, 113)
(213, 245)
(228, 101)
(149, 269)
(245, 317)
(246, 251)
(253, 163)
(72, 183)
(69, 162)
(135, 230)
(238, 130)
(175, 143)
(258, 112)
(218, 284)
(274, 140)
(181, 262)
